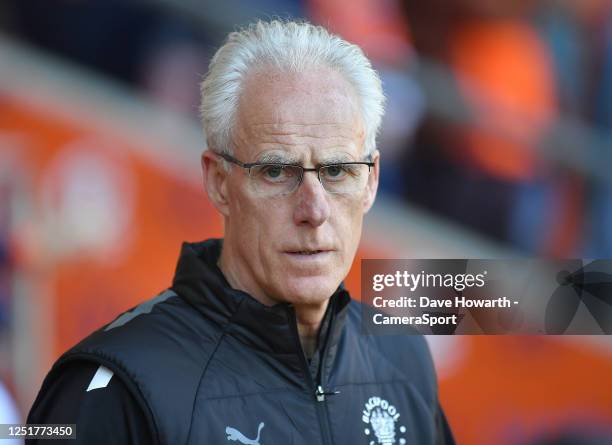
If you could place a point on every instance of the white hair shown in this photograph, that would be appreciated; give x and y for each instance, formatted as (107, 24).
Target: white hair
(294, 46)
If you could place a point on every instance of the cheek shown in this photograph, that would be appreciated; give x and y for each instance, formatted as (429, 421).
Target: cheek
(347, 221)
(260, 224)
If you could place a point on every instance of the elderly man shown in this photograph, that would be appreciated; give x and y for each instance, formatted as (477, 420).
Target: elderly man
(257, 342)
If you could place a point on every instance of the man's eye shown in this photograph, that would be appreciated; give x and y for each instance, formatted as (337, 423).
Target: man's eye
(334, 170)
(337, 172)
(274, 173)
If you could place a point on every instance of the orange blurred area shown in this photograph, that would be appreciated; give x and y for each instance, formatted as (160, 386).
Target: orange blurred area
(513, 389)
(505, 73)
(94, 276)
(379, 31)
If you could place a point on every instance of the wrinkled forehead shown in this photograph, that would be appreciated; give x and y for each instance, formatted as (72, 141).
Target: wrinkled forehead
(304, 114)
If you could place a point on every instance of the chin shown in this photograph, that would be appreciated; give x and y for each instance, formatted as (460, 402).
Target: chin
(309, 290)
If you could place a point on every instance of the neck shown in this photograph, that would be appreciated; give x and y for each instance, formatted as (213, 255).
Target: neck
(309, 320)
(308, 316)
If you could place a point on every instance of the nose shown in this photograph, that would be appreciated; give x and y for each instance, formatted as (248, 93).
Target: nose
(312, 202)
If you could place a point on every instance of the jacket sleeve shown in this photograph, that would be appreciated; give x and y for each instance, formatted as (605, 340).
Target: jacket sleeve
(444, 435)
(105, 415)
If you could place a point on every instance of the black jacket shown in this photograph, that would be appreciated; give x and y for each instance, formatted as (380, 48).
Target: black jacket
(209, 364)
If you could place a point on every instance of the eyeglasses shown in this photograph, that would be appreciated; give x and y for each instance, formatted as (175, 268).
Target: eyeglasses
(277, 179)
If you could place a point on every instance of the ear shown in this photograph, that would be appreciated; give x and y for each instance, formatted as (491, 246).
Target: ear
(372, 187)
(215, 179)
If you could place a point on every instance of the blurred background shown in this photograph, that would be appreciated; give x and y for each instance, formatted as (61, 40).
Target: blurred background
(497, 143)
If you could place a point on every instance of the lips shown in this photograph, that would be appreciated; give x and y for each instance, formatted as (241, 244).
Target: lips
(307, 252)
(310, 253)
(309, 259)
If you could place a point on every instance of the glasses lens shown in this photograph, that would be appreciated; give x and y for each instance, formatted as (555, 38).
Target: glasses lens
(344, 178)
(275, 179)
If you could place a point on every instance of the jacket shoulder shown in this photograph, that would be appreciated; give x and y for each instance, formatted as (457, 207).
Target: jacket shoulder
(160, 324)
(160, 349)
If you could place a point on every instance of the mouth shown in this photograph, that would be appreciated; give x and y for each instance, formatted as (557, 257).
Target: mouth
(308, 261)
(306, 252)
(309, 253)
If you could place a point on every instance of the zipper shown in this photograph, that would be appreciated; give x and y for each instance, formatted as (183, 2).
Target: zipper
(321, 393)
(317, 388)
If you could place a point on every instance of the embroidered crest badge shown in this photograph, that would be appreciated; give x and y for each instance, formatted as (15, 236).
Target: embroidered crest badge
(382, 418)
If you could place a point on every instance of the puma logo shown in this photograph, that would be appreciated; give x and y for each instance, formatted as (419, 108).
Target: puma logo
(234, 434)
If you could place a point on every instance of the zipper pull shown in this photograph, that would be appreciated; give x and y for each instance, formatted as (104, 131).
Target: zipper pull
(320, 393)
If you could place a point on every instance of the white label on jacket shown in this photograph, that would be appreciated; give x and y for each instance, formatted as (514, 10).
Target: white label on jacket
(100, 378)
(382, 417)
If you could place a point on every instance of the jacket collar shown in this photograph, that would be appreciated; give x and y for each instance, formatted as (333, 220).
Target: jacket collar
(269, 329)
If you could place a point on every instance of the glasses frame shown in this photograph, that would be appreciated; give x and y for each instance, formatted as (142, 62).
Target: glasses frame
(249, 165)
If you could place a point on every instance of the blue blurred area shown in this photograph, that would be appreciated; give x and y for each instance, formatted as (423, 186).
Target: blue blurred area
(118, 38)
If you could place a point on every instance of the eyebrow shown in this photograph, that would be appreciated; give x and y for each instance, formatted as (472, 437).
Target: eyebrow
(336, 158)
(276, 158)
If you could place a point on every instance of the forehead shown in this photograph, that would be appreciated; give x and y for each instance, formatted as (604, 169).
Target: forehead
(316, 111)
